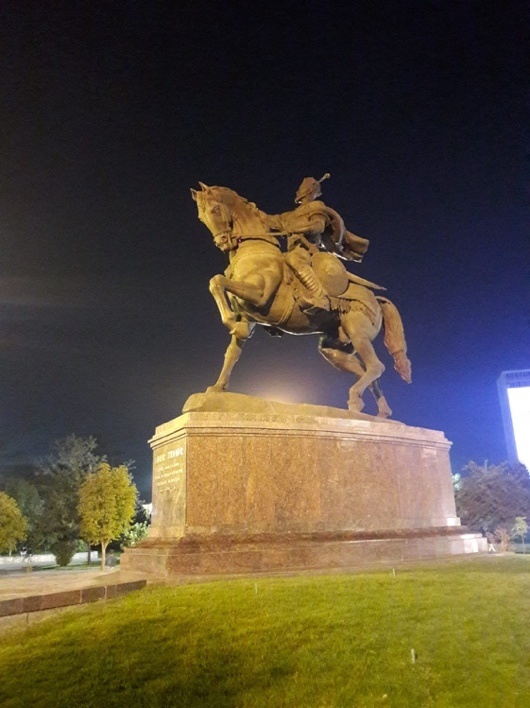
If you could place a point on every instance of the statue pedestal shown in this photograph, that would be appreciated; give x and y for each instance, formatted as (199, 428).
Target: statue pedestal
(286, 488)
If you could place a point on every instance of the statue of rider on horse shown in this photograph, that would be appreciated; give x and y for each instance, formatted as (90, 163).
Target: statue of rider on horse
(306, 290)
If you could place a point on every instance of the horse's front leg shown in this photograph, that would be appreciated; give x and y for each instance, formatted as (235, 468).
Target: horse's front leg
(218, 292)
(232, 355)
(256, 292)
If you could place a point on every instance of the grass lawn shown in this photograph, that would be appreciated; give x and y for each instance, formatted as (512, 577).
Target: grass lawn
(72, 566)
(325, 640)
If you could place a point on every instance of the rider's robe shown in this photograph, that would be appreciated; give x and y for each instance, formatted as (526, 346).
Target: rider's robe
(323, 226)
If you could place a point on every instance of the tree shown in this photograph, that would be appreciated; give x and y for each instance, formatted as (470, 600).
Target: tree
(30, 504)
(139, 527)
(13, 525)
(489, 497)
(502, 537)
(520, 529)
(107, 500)
(61, 476)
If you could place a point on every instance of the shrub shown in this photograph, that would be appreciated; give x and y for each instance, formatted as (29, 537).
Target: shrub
(64, 552)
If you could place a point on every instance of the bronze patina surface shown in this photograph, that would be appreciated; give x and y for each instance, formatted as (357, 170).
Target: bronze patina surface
(305, 289)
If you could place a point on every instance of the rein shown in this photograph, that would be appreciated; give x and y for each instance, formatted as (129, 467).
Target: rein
(247, 237)
(272, 233)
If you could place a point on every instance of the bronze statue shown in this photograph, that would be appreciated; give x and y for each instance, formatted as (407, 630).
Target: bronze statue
(312, 227)
(304, 291)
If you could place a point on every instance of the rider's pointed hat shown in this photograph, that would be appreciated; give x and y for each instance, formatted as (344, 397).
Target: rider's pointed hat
(310, 187)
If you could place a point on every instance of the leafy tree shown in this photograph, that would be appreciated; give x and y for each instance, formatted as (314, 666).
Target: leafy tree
(489, 497)
(107, 500)
(136, 533)
(503, 537)
(520, 529)
(30, 504)
(139, 526)
(13, 525)
(61, 476)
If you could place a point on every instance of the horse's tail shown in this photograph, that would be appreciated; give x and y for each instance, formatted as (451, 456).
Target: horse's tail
(394, 338)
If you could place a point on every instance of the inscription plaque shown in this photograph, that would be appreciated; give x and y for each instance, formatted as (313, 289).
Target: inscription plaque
(169, 488)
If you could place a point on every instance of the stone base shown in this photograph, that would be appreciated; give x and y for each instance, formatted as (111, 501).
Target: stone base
(290, 553)
(245, 485)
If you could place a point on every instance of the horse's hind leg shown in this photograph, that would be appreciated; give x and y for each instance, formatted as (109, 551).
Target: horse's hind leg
(383, 409)
(349, 363)
(361, 332)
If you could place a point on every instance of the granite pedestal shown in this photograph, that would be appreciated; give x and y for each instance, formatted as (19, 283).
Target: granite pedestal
(264, 487)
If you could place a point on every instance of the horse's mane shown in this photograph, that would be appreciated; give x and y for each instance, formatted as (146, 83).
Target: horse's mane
(233, 196)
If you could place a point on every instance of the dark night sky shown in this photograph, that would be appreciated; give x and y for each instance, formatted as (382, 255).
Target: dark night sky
(111, 111)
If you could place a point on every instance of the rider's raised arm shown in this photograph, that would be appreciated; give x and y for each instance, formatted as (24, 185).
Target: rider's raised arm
(310, 224)
(273, 221)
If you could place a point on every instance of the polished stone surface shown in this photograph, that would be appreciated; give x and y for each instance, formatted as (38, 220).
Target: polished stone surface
(235, 473)
(218, 555)
(270, 490)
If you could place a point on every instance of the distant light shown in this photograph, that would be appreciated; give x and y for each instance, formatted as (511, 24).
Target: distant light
(280, 395)
(519, 401)
(514, 397)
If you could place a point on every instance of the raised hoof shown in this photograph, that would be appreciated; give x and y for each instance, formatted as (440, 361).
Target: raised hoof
(241, 330)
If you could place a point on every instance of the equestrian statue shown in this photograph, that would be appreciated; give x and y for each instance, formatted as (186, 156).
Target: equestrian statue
(302, 287)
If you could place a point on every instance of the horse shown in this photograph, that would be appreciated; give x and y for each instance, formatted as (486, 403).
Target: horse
(258, 288)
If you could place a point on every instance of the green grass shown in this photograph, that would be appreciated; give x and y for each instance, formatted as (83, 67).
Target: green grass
(327, 640)
(74, 566)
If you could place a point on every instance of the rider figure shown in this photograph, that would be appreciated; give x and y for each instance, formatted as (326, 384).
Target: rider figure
(313, 226)
(306, 226)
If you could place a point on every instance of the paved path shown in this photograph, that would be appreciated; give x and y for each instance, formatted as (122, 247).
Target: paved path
(41, 582)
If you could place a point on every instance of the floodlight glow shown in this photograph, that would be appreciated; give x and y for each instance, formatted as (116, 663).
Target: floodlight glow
(279, 395)
(519, 401)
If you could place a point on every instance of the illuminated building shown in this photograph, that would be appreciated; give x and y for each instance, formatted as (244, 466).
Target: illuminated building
(514, 394)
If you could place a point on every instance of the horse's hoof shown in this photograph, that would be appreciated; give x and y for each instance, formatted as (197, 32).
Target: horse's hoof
(355, 404)
(241, 330)
(215, 389)
(384, 409)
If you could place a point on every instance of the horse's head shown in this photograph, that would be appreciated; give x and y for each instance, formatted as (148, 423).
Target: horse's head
(216, 215)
